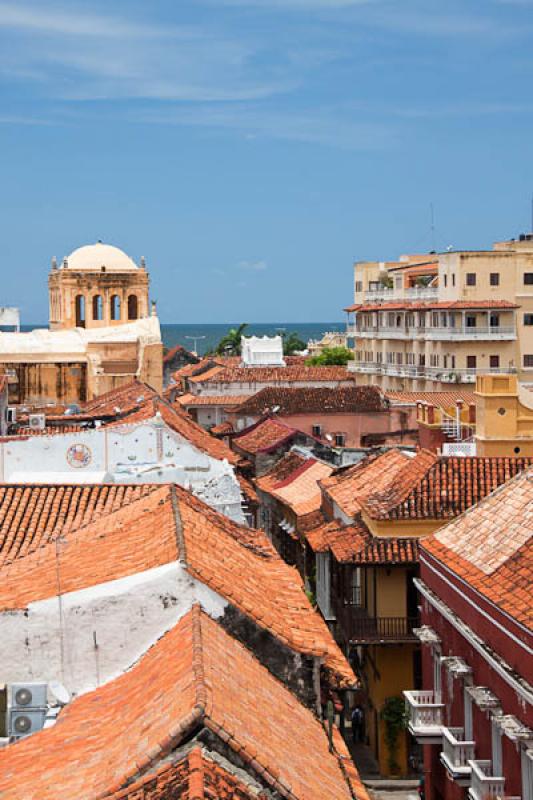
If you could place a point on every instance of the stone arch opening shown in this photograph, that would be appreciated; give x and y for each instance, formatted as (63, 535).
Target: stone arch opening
(98, 307)
(80, 311)
(115, 307)
(133, 307)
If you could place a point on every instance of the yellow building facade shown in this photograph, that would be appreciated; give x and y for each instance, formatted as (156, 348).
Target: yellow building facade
(434, 321)
(504, 417)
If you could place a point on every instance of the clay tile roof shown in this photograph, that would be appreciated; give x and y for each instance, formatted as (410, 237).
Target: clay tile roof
(440, 399)
(222, 429)
(178, 348)
(264, 437)
(181, 423)
(194, 400)
(200, 377)
(32, 516)
(195, 677)
(315, 400)
(195, 776)
(118, 401)
(237, 562)
(491, 547)
(355, 544)
(299, 489)
(452, 305)
(442, 487)
(290, 374)
(350, 487)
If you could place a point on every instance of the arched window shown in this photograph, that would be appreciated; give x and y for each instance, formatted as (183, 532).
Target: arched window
(133, 307)
(98, 307)
(115, 307)
(80, 311)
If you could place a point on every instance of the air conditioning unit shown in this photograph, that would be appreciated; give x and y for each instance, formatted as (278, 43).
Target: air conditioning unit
(37, 422)
(26, 708)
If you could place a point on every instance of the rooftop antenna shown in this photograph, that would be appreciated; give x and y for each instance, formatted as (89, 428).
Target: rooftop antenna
(432, 227)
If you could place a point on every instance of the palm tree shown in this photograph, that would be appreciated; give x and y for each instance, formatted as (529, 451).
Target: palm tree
(230, 344)
(292, 344)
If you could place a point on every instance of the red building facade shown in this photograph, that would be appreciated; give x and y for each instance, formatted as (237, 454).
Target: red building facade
(474, 715)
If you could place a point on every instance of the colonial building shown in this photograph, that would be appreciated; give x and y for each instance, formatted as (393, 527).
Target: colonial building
(474, 712)
(102, 332)
(425, 322)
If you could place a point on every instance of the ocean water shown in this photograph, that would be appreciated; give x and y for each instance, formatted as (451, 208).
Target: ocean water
(208, 335)
(212, 334)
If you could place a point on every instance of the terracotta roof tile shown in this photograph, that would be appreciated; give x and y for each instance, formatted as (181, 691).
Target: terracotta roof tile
(300, 489)
(33, 516)
(350, 487)
(193, 400)
(426, 486)
(290, 374)
(440, 399)
(264, 437)
(491, 547)
(235, 561)
(196, 676)
(443, 304)
(355, 544)
(320, 400)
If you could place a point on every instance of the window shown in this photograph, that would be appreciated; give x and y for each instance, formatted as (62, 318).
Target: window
(494, 362)
(340, 440)
(494, 320)
(317, 430)
(528, 361)
(470, 278)
(528, 319)
(399, 358)
(98, 307)
(528, 278)
(453, 362)
(115, 307)
(133, 307)
(445, 280)
(494, 278)
(445, 362)
(471, 362)
(359, 286)
(470, 321)
(80, 311)
(453, 279)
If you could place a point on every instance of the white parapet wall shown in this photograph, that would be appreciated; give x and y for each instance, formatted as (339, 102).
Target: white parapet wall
(262, 351)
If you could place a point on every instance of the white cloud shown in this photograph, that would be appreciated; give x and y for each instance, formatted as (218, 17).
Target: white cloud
(253, 266)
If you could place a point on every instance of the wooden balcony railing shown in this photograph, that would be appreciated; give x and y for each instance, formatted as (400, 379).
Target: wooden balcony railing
(358, 628)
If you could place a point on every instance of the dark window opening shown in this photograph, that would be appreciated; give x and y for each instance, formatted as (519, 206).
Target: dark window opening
(528, 278)
(98, 307)
(470, 278)
(471, 362)
(133, 307)
(494, 362)
(494, 278)
(80, 311)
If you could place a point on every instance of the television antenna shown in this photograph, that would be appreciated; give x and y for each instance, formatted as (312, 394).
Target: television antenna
(195, 339)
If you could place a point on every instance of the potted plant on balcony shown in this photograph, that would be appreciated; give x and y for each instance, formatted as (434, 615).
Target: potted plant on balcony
(394, 718)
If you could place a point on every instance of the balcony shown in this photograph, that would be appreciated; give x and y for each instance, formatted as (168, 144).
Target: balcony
(360, 629)
(456, 755)
(412, 295)
(444, 333)
(484, 785)
(425, 716)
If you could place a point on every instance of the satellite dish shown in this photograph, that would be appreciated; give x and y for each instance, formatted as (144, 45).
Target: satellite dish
(329, 437)
(60, 693)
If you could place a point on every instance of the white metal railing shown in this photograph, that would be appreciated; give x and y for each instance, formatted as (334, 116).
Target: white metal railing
(444, 374)
(456, 752)
(425, 715)
(387, 295)
(441, 332)
(484, 785)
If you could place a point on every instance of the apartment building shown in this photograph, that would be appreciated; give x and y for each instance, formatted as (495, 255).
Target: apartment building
(428, 321)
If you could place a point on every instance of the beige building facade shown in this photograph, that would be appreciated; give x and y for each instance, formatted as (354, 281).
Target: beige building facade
(430, 321)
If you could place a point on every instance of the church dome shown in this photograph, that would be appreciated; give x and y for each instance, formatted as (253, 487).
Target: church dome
(96, 256)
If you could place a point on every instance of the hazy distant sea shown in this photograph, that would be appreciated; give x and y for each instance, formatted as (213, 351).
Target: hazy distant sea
(182, 334)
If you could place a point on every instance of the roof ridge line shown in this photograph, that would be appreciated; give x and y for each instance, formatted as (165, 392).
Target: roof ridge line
(178, 527)
(200, 684)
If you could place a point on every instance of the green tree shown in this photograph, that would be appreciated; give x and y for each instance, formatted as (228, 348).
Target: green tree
(331, 356)
(292, 344)
(230, 344)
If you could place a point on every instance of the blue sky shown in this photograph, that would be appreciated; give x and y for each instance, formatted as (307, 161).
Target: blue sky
(252, 149)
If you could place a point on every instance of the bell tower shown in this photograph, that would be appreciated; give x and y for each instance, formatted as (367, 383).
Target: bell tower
(97, 286)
